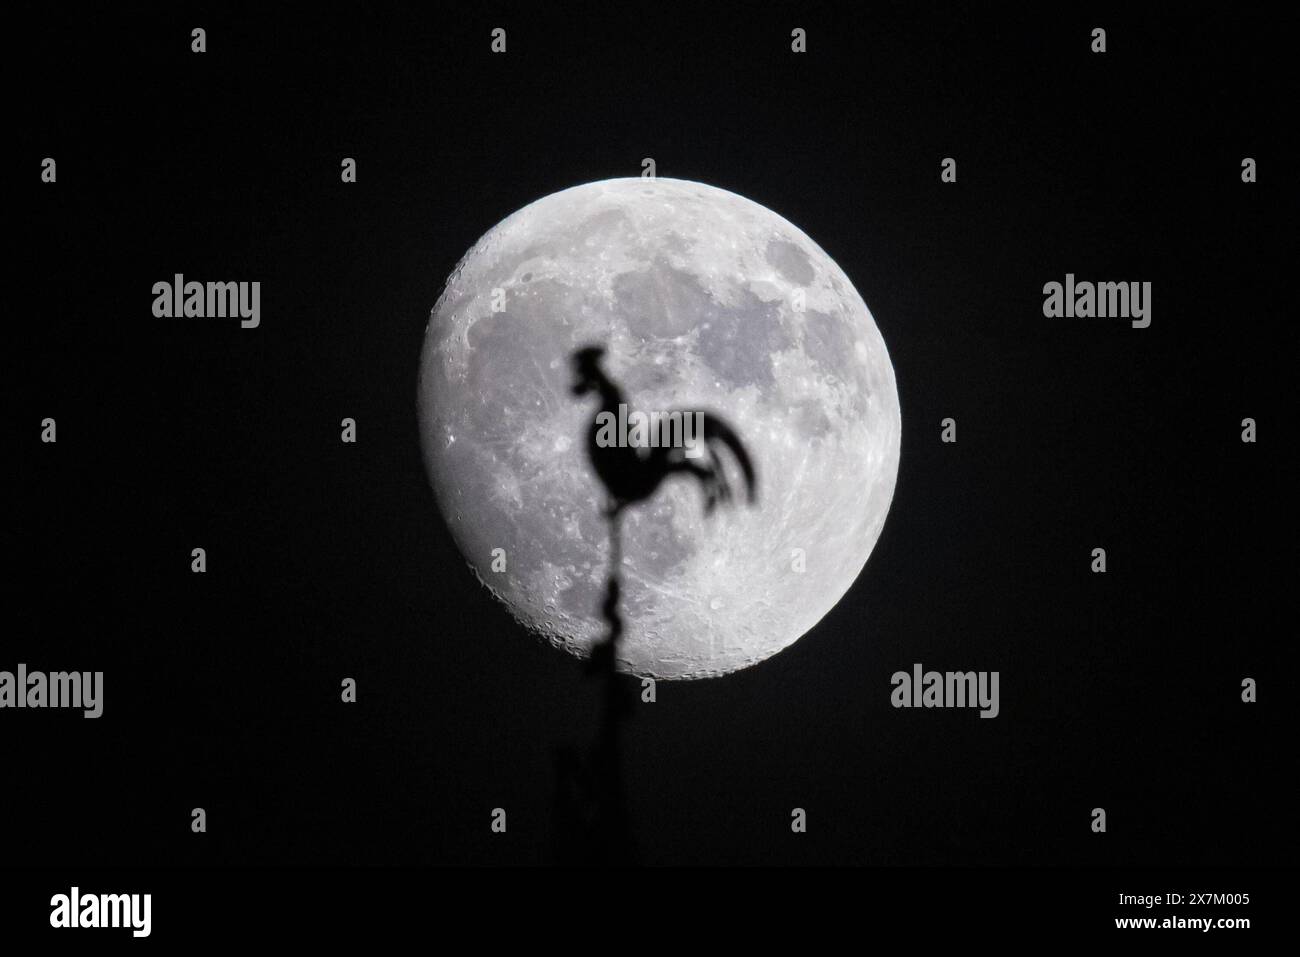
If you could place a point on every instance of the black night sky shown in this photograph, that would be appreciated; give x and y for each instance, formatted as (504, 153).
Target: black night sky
(328, 561)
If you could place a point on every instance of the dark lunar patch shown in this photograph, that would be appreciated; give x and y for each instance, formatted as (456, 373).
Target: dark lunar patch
(663, 301)
(829, 342)
(790, 261)
(661, 551)
(738, 342)
(507, 347)
(810, 419)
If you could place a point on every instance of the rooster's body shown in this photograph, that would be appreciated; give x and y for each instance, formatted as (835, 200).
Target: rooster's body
(632, 474)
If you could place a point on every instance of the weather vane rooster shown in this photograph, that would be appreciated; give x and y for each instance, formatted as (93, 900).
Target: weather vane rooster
(591, 807)
(630, 473)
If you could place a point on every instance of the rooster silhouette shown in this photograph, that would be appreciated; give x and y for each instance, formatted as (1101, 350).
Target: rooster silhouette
(591, 808)
(631, 474)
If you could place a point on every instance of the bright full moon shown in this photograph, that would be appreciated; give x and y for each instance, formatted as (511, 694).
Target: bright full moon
(704, 300)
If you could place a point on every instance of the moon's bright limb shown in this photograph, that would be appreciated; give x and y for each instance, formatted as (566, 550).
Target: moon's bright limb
(695, 293)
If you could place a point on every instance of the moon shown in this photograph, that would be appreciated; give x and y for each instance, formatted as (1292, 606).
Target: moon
(703, 299)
